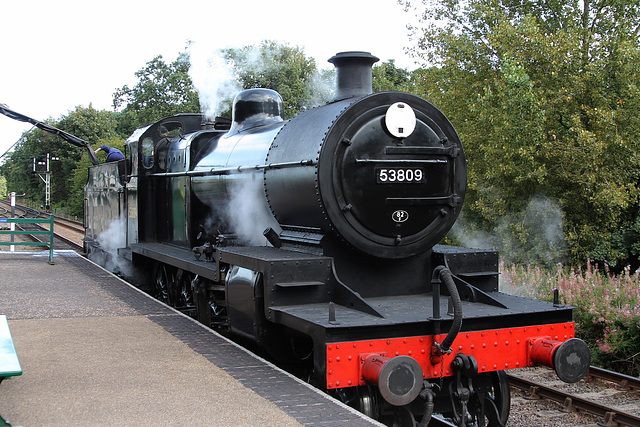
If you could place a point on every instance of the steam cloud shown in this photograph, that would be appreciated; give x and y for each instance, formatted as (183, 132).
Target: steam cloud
(110, 240)
(213, 77)
(534, 235)
(217, 81)
(248, 212)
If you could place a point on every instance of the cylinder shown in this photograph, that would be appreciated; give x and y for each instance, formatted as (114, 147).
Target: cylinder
(399, 378)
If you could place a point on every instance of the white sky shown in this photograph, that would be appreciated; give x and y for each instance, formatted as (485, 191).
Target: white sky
(56, 55)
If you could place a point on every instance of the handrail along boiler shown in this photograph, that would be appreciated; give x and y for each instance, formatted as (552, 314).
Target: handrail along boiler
(347, 285)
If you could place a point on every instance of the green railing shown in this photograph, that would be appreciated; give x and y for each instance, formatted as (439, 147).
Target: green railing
(30, 232)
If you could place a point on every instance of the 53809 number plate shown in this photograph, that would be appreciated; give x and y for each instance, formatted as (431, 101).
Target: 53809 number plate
(399, 175)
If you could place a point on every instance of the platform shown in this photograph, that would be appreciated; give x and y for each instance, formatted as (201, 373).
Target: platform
(96, 351)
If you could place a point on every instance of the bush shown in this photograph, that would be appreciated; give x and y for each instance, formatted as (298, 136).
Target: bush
(608, 307)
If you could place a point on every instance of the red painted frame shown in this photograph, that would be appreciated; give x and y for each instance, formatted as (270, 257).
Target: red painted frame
(494, 350)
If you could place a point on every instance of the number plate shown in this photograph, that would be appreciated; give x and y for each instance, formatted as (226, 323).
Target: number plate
(399, 176)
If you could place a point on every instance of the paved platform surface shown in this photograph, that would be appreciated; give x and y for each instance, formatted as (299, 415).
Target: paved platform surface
(95, 351)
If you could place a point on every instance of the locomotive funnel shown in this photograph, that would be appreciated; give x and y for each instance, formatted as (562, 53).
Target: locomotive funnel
(354, 74)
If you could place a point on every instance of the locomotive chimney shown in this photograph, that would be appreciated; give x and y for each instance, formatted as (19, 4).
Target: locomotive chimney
(354, 74)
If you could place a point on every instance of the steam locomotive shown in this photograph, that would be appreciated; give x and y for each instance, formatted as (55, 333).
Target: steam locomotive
(315, 241)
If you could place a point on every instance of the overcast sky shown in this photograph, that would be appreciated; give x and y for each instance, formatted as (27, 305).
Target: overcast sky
(57, 55)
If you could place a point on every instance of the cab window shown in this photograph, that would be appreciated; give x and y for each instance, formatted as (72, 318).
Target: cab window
(147, 153)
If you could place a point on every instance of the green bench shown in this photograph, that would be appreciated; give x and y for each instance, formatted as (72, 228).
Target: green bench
(9, 363)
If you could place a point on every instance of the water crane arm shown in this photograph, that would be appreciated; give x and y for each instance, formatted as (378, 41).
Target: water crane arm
(62, 134)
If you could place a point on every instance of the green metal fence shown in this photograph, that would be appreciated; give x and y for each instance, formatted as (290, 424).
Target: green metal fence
(31, 232)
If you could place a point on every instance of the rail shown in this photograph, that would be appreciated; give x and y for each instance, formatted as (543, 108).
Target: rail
(610, 416)
(29, 232)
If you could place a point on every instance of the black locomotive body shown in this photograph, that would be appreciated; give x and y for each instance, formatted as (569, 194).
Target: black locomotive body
(314, 240)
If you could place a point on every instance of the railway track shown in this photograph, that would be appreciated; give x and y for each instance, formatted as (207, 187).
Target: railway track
(610, 396)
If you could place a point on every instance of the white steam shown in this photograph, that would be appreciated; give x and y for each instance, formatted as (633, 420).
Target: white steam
(534, 235)
(217, 82)
(213, 77)
(110, 240)
(248, 212)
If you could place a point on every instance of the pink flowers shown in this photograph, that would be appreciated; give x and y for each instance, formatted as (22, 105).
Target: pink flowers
(608, 305)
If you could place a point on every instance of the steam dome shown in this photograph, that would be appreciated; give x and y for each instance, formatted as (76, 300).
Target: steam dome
(256, 107)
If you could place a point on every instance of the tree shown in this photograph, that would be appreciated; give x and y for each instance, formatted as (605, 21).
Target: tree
(285, 69)
(545, 96)
(387, 76)
(162, 90)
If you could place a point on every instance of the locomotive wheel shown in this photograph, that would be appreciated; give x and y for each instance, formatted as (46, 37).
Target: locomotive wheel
(498, 403)
(160, 283)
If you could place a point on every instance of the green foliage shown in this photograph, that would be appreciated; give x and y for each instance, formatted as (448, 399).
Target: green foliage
(546, 99)
(282, 68)
(162, 90)
(3, 186)
(608, 307)
(387, 76)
